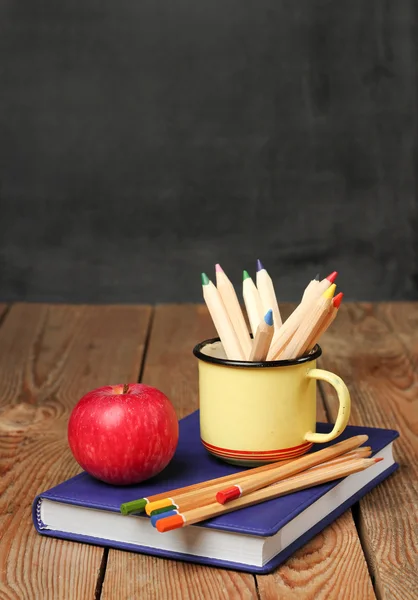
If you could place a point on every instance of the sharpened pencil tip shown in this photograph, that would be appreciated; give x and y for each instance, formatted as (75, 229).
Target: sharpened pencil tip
(205, 279)
(378, 459)
(317, 277)
(337, 300)
(218, 268)
(259, 265)
(245, 275)
(268, 318)
(330, 291)
(332, 276)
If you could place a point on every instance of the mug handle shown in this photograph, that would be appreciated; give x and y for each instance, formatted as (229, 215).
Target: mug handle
(343, 411)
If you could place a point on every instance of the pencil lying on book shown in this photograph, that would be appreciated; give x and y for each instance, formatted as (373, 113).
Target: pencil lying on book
(324, 323)
(233, 308)
(299, 482)
(201, 500)
(280, 470)
(311, 321)
(267, 294)
(166, 498)
(260, 480)
(263, 337)
(252, 302)
(170, 497)
(221, 320)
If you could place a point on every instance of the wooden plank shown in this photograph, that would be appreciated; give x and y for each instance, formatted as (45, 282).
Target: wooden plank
(171, 367)
(50, 357)
(374, 351)
(331, 565)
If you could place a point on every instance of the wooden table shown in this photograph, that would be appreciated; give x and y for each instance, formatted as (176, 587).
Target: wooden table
(50, 355)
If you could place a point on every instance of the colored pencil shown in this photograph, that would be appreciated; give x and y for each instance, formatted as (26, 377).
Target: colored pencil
(305, 329)
(299, 482)
(285, 333)
(233, 308)
(221, 320)
(263, 337)
(171, 497)
(310, 287)
(295, 465)
(267, 294)
(324, 323)
(202, 500)
(252, 302)
(260, 480)
(166, 498)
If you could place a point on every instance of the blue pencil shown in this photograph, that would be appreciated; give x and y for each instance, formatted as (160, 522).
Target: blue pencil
(263, 338)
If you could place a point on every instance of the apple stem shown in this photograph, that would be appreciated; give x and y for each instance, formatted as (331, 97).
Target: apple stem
(125, 388)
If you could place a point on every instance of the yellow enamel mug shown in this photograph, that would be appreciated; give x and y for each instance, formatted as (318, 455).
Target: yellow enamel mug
(259, 412)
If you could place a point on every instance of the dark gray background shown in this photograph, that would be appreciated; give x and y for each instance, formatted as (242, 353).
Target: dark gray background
(143, 141)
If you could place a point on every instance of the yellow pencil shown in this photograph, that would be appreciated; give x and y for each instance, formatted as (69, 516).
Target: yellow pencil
(221, 320)
(233, 308)
(267, 294)
(252, 303)
(263, 338)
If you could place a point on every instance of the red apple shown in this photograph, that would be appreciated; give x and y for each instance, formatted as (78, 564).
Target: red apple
(123, 434)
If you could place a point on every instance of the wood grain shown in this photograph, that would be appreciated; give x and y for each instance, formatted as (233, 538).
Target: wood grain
(375, 352)
(49, 357)
(171, 366)
(331, 565)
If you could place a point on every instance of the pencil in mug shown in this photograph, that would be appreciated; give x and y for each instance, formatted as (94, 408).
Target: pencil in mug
(191, 503)
(285, 468)
(310, 287)
(221, 320)
(267, 294)
(311, 320)
(316, 287)
(324, 324)
(172, 497)
(263, 337)
(285, 333)
(299, 482)
(259, 480)
(252, 302)
(233, 308)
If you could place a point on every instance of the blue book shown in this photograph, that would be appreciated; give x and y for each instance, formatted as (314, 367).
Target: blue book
(254, 539)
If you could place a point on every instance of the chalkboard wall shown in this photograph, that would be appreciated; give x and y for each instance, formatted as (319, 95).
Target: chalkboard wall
(143, 141)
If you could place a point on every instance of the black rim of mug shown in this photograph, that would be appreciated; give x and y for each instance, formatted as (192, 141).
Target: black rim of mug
(197, 351)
